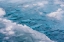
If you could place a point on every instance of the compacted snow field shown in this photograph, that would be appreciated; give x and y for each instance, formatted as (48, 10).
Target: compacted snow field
(31, 21)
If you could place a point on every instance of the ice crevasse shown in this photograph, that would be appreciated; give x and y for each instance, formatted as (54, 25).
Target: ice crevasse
(13, 32)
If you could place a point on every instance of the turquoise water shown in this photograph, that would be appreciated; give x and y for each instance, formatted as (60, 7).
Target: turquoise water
(31, 17)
